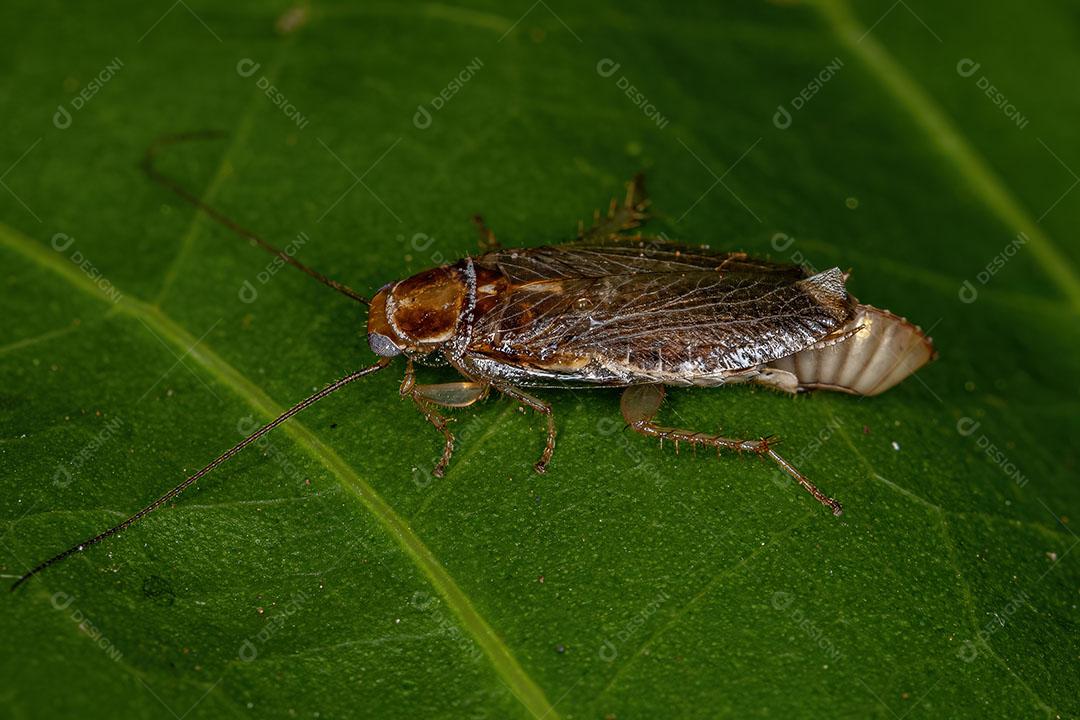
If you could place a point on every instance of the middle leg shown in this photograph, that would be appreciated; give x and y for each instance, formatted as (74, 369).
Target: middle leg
(541, 407)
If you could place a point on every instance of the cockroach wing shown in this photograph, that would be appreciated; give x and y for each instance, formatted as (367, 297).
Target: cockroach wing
(620, 255)
(550, 315)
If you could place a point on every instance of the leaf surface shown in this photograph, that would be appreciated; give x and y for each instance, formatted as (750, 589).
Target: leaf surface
(327, 573)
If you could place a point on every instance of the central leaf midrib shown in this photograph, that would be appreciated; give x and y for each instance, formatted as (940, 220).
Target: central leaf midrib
(505, 664)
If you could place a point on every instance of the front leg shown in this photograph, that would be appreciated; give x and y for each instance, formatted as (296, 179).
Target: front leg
(541, 407)
(640, 403)
(427, 397)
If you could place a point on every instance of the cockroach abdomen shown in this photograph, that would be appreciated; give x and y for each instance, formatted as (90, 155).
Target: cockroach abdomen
(873, 352)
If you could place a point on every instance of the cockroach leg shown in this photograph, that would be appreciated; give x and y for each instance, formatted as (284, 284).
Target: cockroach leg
(630, 214)
(442, 424)
(640, 403)
(427, 397)
(488, 242)
(454, 395)
(541, 407)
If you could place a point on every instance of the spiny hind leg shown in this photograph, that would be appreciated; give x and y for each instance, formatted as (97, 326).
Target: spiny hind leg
(428, 397)
(626, 216)
(541, 407)
(640, 403)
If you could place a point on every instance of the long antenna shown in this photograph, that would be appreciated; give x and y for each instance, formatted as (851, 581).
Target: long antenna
(158, 177)
(194, 478)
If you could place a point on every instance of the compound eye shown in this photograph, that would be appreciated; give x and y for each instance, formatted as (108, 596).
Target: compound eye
(382, 345)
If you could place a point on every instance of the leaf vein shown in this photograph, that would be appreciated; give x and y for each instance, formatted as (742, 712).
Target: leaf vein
(505, 664)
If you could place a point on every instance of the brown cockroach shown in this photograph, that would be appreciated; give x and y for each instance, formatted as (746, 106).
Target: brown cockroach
(609, 308)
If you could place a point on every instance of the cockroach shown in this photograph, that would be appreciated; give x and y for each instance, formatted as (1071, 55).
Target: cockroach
(613, 307)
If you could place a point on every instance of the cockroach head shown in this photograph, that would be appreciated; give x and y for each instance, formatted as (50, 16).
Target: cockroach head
(417, 315)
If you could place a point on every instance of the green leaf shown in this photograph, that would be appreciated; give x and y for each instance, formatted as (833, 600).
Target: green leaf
(326, 573)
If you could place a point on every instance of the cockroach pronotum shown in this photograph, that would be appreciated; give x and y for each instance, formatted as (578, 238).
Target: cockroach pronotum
(613, 307)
